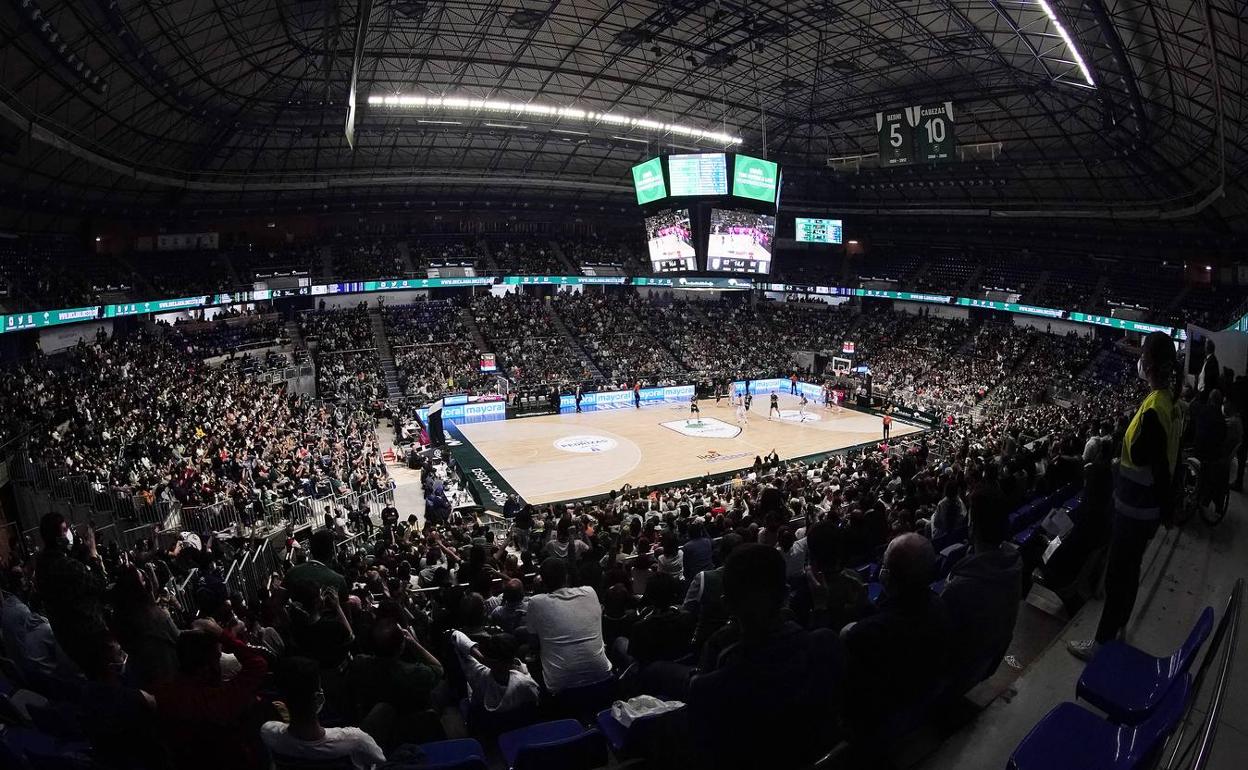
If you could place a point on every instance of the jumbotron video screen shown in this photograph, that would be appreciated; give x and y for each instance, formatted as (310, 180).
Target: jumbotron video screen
(740, 242)
(669, 236)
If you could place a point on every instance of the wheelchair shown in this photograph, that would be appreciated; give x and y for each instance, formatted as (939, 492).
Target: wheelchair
(1205, 488)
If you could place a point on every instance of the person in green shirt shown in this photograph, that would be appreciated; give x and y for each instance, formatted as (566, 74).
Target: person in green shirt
(316, 569)
(400, 672)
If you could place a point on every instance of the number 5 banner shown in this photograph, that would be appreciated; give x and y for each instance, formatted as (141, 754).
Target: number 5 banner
(896, 131)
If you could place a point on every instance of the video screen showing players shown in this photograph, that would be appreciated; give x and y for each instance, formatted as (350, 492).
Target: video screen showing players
(740, 242)
(670, 239)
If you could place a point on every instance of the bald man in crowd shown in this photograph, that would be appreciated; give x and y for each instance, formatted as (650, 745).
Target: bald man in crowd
(897, 656)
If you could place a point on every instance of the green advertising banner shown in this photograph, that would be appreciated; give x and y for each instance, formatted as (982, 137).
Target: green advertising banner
(754, 178)
(40, 318)
(155, 306)
(648, 181)
(905, 296)
(565, 280)
(1121, 323)
(1012, 307)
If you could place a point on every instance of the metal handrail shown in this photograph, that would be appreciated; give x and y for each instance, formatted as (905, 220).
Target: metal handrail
(1215, 706)
(1228, 632)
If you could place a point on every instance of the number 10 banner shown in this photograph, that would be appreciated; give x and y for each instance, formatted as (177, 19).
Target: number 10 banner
(922, 133)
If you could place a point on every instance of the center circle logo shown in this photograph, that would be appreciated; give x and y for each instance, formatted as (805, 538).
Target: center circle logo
(586, 444)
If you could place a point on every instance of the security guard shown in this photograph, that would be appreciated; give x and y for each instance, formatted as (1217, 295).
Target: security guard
(1143, 498)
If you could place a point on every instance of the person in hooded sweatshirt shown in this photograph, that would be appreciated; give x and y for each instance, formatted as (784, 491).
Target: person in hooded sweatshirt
(982, 594)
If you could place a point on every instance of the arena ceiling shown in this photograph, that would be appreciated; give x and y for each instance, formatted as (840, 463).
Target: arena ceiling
(139, 105)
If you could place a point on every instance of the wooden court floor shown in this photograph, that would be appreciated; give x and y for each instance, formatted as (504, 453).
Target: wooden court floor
(571, 456)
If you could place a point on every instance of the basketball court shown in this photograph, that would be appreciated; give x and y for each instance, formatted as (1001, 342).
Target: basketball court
(573, 456)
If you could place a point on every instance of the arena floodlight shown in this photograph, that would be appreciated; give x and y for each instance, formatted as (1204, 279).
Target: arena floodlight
(436, 104)
(1068, 40)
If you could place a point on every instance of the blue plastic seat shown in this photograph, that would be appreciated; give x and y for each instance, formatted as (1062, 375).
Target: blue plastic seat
(874, 592)
(459, 754)
(631, 739)
(1127, 683)
(1072, 738)
(564, 744)
(949, 557)
(583, 702)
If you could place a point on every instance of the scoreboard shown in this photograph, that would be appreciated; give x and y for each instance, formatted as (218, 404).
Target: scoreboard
(701, 174)
(917, 134)
(818, 230)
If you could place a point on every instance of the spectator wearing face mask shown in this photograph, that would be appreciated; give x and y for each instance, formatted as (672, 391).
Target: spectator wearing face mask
(72, 587)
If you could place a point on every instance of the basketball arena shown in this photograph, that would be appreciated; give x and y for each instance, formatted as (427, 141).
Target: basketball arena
(574, 456)
(588, 385)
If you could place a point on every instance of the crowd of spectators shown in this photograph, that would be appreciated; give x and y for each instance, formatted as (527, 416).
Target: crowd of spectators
(430, 252)
(181, 273)
(607, 328)
(228, 334)
(361, 259)
(700, 593)
(606, 252)
(136, 418)
(434, 352)
(526, 256)
(530, 348)
(347, 365)
(756, 600)
(47, 272)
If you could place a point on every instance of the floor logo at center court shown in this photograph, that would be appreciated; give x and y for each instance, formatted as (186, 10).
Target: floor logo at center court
(586, 444)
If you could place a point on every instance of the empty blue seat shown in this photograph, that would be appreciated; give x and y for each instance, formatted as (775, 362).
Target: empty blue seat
(1072, 738)
(632, 739)
(460, 754)
(1127, 683)
(564, 744)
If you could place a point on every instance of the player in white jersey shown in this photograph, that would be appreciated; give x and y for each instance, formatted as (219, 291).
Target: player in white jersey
(801, 409)
(743, 416)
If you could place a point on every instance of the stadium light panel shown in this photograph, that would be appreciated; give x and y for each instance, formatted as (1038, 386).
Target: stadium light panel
(1068, 40)
(434, 104)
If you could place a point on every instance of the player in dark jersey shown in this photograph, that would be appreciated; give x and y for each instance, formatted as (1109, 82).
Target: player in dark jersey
(775, 406)
(693, 409)
(749, 400)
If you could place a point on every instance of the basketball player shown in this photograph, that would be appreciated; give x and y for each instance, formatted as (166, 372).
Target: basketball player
(693, 409)
(836, 400)
(775, 407)
(749, 400)
(743, 417)
(719, 393)
(801, 409)
(827, 395)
